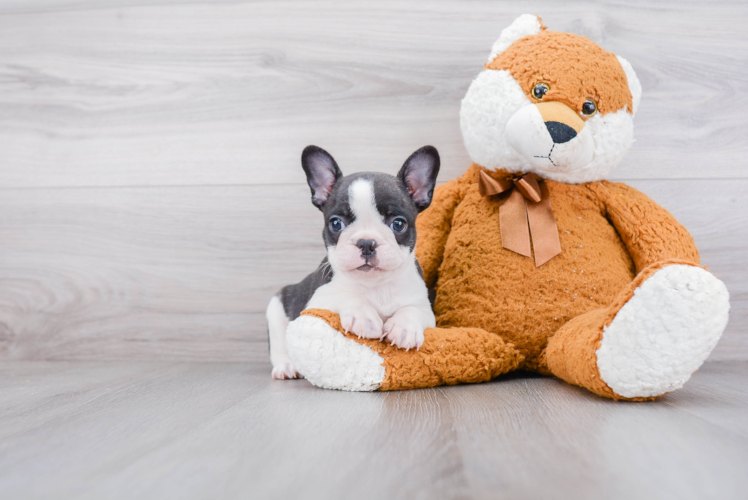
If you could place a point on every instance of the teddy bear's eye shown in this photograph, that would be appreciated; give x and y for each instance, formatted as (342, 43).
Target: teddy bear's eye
(589, 108)
(540, 90)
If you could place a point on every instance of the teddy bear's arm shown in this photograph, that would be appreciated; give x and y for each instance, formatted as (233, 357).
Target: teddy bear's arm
(433, 226)
(651, 234)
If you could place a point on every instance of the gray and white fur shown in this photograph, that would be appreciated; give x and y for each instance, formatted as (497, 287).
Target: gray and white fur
(370, 276)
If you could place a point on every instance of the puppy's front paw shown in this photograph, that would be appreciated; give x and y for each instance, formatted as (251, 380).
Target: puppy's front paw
(285, 370)
(363, 322)
(405, 330)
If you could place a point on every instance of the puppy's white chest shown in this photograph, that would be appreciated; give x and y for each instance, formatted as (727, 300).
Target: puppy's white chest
(386, 298)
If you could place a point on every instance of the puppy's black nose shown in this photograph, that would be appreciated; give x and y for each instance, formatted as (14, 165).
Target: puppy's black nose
(368, 247)
(560, 132)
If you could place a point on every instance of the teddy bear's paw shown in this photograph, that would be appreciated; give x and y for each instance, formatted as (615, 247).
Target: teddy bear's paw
(664, 332)
(285, 370)
(363, 321)
(329, 359)
(404, 330)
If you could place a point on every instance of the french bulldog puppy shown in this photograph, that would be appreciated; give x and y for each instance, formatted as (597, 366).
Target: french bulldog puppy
(370, 276)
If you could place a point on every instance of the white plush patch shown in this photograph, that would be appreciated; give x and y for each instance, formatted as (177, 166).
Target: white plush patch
(528, 135)
(634, 85)
(495, 97)
(492, 99)
(330, 360)
(524, 25)
(664, 332)
(613, 135)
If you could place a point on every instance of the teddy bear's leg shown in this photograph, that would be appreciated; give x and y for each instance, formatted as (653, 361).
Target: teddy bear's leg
(657, 332)
(328, 357)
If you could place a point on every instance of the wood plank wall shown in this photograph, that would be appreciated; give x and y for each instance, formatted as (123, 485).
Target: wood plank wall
(151, 198)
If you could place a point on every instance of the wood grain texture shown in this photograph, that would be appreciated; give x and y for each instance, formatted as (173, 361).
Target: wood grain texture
(99, 93)
(222, 431)
(186, 273)
(151, 199)
(153, 272)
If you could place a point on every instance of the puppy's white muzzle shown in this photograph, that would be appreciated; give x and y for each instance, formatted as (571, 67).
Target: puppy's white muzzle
(528, 132)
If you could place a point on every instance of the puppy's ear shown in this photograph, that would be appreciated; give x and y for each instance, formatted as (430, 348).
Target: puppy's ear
(321, 173)
(418, 175)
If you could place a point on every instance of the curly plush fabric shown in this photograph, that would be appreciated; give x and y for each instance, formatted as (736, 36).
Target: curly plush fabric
(448, 356)
(583, 336)
(480, 284)
(574, 67)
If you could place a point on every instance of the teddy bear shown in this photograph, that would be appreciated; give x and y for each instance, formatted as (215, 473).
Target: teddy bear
(537, 262)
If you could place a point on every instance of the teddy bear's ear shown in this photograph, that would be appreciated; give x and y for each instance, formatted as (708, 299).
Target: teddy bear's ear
(524, 25)
(634, 86)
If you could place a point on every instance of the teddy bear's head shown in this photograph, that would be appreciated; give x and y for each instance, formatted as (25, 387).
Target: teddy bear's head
(551, 103)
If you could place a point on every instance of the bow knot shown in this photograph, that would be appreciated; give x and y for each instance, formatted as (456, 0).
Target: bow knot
(527, 211)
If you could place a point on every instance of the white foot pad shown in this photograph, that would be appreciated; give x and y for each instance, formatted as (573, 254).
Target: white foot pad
(664, 332)
(328, 359)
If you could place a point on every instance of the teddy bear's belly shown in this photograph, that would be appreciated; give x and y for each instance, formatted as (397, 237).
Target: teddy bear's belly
(480, 284)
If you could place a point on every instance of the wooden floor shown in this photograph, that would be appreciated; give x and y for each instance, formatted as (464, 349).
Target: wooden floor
(162, 430)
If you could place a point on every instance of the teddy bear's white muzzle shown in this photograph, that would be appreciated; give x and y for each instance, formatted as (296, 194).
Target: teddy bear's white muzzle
(548, 146)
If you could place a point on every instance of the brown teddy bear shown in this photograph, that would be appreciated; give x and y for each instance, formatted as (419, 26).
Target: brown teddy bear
(537, 262)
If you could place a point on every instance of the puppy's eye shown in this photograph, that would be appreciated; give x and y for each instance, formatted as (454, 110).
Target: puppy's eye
(589, 108)
(336, 224)
(399, 225)
(540, 90)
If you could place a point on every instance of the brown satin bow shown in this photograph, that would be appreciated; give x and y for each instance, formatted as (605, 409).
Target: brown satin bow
(526, 211)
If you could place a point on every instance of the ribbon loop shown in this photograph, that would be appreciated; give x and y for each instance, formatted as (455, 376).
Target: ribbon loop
(488, 186)
(526, 216)
(528, 186)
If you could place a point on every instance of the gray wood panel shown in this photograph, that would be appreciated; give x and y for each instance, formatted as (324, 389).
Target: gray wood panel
(99, 93)
(712, 391)
(151, 198)
(186, 273)
(149, 272)
(199, 430)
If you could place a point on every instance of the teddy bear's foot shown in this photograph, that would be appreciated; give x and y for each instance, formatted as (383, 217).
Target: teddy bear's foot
(664, 332)
(328, 357)
(657, 332)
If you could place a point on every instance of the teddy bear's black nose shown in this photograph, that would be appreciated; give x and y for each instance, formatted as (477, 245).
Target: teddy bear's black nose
(560, 132)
